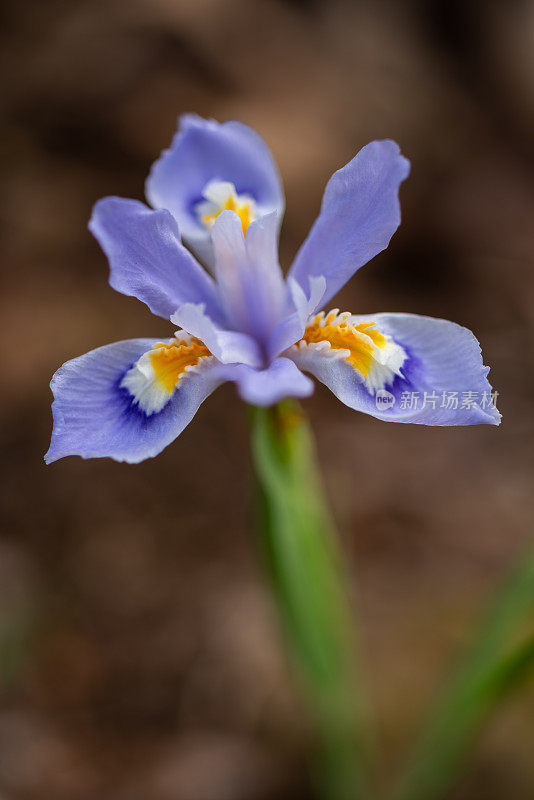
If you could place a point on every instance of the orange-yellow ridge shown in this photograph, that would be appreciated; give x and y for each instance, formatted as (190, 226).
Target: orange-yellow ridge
(242, 208)
(359, 339)
(169, 360)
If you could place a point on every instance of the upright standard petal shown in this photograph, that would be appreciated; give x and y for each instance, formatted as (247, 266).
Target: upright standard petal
(299, 307)
(400, 367)
(129, 400)
(252, 289)
(360, 212)
(147, 258)
(204, 152)
(265, 387)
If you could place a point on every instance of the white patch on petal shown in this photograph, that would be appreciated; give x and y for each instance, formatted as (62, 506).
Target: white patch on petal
(140, 381)
(385, 367)
(156, 375)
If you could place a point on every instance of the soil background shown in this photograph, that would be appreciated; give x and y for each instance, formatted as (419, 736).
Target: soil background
(141, 657)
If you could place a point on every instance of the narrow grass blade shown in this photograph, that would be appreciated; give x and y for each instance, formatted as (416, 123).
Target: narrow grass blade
(494, 666)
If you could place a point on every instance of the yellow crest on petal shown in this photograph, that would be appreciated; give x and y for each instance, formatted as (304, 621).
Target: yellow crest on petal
(153, 378)
(242, 209)
(374, 355)
(359, 340)
(169, 360)
(222, 196)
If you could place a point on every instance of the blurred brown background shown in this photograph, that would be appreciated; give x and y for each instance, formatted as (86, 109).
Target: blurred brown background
(141, 658)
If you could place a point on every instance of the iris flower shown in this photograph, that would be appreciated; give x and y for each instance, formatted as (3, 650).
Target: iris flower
(204, 256)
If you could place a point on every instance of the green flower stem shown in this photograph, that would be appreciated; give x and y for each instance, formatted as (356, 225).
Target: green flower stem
(300, 549)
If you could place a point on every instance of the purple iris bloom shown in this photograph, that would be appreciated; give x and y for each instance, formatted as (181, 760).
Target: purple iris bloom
(216, 193)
